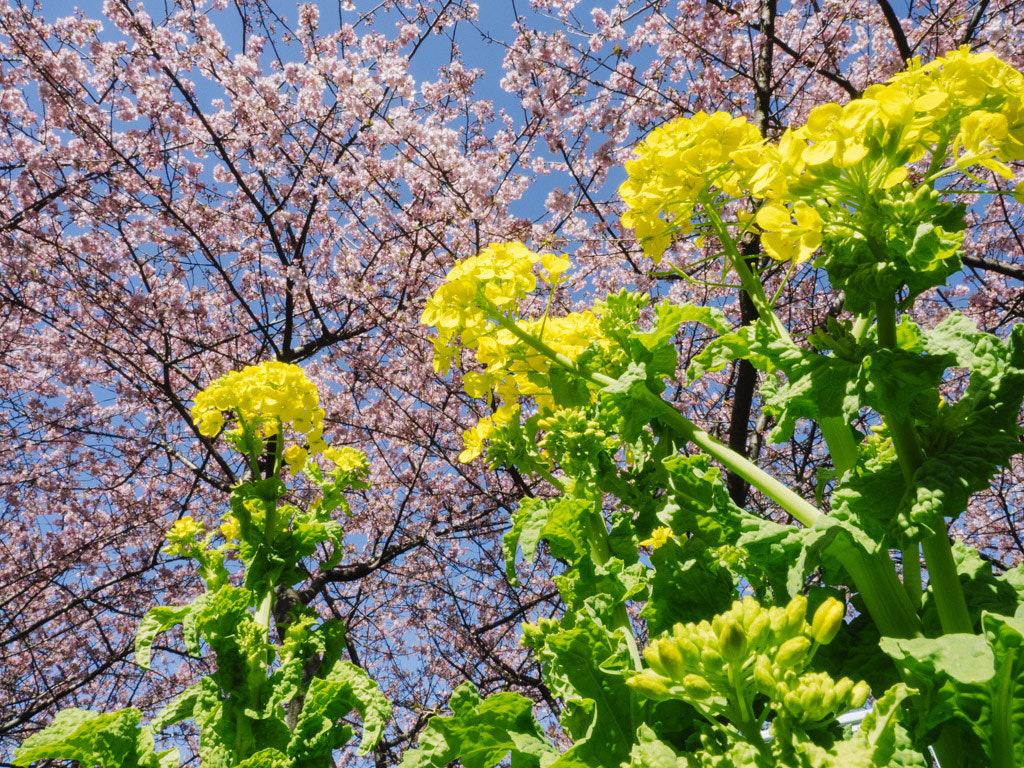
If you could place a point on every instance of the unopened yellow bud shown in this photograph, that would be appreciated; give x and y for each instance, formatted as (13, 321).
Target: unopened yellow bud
(859, 695)
(828, 619)
(792, 652)
(763, 674)
(842, 689)
(710, 658)
(671, 659)
(795, 613)
(697, 687)
(648, 684)
(732, 641)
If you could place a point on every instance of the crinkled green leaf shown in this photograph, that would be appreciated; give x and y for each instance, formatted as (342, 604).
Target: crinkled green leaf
(482, 733)
(107, 740)
(158, 619)
(734, 345)
(586, 666)
(561, 522)
(976, 681)
(318, 731)
(266, 758)
(230, 630)
(181, 707)
(217, 719)
(903, 384)
(631, 398)
(651, 752)
(686, 587)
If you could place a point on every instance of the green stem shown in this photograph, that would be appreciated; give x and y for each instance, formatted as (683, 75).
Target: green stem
(912, 574)
(1002, 715)
(841, 445)
(743, 716)
(601, 552)
(750, 282)
(938, 553)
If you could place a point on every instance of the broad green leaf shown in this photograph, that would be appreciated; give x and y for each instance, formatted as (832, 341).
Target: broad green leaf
(227, 625)
(318, 731)
(903, 384)
(586, 666)
(976, 681)
(158, 619)
(217, 719)
(650, 752)
(562, 522)
(107, 740)
(734, 345)
(631, 397)
(266, 758)
(481, 733)
(688, 584)
(181, 707)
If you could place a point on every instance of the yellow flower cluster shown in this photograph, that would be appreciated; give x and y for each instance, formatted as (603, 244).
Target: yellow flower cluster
(970, 106)
(265, 399)
(496, 281)
(502, 273)
(678, 164)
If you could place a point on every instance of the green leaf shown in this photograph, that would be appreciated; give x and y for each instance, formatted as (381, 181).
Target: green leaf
(329, 699)
(650, 752)
(481, 733)
(217, 719)
(228, 627)
(976, 681)
(631, 398)
(734, 345)
(586, 666)
(568, 389)
(111, 740)
(266, 758)
(903, 384)
(561, 522)
(181, 707)
(689, 584)
(158, 619)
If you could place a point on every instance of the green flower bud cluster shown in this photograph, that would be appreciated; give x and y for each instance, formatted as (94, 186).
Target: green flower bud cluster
(574, 440)
(750, 650)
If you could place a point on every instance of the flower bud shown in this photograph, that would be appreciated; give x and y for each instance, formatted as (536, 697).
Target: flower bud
(733, 641)
(810, 701)
(710, 658)
(791, 701)
(792, 652)
(859, 695)
(671, 659)
(697, 687)
(763, 675)
(842, 690)
(758, 629)
(795, 613)
(828, 619)
(689, 651)
(652, 655)
(648, 684)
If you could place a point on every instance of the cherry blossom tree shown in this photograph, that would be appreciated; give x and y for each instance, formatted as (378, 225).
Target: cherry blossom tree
(192, 187)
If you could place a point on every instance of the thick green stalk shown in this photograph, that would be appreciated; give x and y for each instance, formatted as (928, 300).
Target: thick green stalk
(938, 553)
